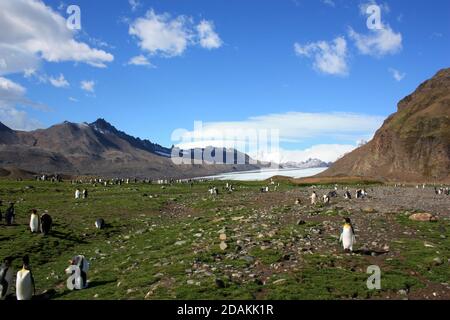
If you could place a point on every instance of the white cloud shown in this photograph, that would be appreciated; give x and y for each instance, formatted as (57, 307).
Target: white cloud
(73, 99)
(135, 4)
(209, 39)
(11, 95)
(384, 7)
(398, 76)
(329, 57)
(378, 42)
(160, 34)
(88, 86)
(293, 127)
(167, 36)
(140, 60)
(36, 32)
(59, 82)
(324, 152)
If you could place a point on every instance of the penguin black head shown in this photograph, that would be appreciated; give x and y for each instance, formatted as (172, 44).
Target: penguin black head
(26, 262)
(8, 261)
(34, 211)
(347, 220)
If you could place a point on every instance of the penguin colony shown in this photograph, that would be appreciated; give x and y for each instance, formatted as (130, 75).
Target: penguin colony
(25, 286)
(79, 265)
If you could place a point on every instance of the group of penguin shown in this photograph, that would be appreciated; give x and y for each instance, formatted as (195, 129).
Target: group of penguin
(41, 224)
(25, 285)
(25, 288)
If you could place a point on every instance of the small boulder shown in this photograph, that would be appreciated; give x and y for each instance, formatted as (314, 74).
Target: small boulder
(223, 246)
(423, 217)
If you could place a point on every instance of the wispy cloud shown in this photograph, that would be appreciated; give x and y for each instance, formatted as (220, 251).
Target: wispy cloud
(330, 3)
(135, 4)
(59, 82)
(209, 39)
(398, 76)
(88, 86)
(378, 42)
(329, 57)
(140, 60)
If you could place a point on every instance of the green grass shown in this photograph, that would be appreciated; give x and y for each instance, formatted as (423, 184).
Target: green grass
(136, 256)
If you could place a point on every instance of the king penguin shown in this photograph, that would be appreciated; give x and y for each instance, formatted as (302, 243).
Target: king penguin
(6, 278)
(46, 223)
(100, 223)
(34, 221)
(25, 281)
(348, 235)
(83, 264)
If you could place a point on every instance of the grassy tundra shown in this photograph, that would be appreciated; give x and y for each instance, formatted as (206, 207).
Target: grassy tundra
(163, 243)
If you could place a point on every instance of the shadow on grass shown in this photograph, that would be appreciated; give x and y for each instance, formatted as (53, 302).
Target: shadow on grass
(66, 236)
(368, 252)
(92, 285)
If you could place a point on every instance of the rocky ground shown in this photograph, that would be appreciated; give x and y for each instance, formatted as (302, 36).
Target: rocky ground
(179, 242)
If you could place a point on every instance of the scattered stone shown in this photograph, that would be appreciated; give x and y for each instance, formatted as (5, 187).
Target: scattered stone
(180, 243)
(423, 217)
(248, 259)
(279, 281)
(437, 261)
(368, 210)
(223, 237)
(223, 246)
(402, 292)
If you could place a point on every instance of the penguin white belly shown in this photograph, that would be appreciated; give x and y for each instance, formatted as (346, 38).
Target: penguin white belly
(24, 285)
(34, 223)
(347, 239)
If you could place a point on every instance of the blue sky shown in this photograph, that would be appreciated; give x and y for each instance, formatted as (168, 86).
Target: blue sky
(309, 68)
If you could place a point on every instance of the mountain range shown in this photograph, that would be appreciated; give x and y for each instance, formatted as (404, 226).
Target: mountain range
(99, 149)
(310, 163)
(413, 144)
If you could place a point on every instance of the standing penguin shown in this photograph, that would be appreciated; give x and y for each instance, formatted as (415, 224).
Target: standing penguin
(10, 214)
(46, 223)
(100, 223)
(313, 198)
(79, 266)
(348, 235)
(6, 277)
(326, 199)
(77, 194)
(347, 195)
(34, 221)
(25, 282)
